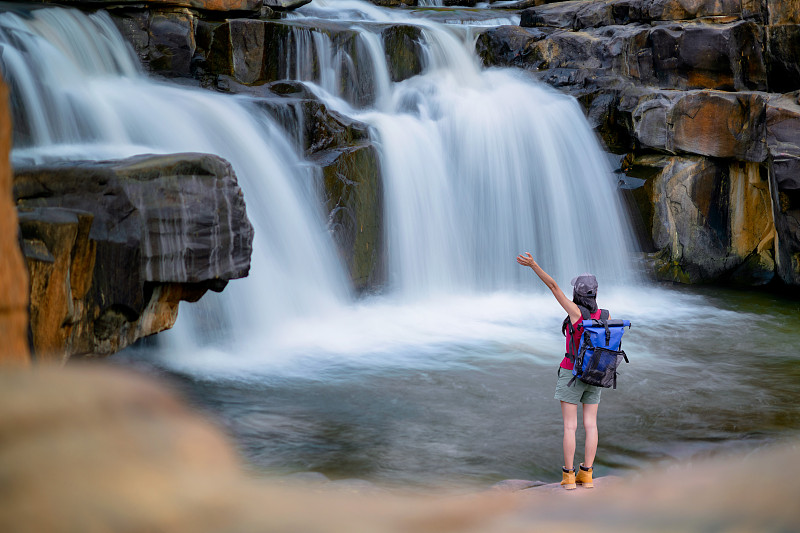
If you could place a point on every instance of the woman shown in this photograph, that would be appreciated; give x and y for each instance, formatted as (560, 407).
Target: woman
(584, 295)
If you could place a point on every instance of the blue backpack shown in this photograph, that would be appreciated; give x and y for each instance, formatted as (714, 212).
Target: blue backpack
(600, 351)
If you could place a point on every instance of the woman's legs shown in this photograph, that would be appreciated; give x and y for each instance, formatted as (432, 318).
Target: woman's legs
(569, 411)
(590, 425)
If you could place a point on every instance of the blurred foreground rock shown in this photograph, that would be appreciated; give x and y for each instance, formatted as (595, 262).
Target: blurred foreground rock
(96, 450)
(13, 276)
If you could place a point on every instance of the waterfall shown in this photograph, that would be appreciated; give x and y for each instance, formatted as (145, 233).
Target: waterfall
(478, 165)
(75, 106)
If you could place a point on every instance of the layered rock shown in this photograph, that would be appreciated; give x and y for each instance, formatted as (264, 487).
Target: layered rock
(247, 6)
(690, 91)
(113, 246)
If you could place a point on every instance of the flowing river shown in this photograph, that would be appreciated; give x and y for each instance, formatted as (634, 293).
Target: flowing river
(447, 375)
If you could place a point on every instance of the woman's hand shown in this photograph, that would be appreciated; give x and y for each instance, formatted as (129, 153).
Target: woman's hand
(526, 261)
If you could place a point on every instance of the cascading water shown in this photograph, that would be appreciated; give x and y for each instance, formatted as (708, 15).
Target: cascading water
(75, 106)
(449, 372)
(476, 167)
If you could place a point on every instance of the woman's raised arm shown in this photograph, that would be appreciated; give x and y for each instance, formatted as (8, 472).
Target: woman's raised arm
(569, 306)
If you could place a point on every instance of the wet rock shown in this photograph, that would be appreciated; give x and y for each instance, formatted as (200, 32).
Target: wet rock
(511, 46)
(783, 139)
(349, 168)
(783, 57)
(112, 247)
(304, 117)
(285, 5)
(711, 221)
(404, 53)
(163, 40)
(13, 276)
(353, 195)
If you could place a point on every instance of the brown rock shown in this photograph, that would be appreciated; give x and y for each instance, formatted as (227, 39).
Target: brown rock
(577, 14)
(710, 221)
(163, 40)
(13, 275)
(253, 6)
(783, 57)
(713, 56)
(719, 125)
(113, 246)
(711, 123)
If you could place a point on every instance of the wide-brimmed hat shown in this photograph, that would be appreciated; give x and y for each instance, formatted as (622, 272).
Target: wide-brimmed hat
(585, 284)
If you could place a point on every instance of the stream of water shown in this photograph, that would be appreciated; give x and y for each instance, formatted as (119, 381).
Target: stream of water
(447, 375)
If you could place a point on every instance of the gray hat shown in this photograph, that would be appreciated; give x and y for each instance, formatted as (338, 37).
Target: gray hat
(585, 284)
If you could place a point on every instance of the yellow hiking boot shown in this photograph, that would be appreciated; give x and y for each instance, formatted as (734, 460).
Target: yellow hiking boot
(568, 478)
(584, 477)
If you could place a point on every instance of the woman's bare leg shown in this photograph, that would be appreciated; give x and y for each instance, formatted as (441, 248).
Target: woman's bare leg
(569, 411)
(590, 425)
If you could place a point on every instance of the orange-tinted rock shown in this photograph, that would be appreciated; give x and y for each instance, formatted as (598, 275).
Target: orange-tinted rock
(13, 275)
(114, 246)
(710, 221)
(711, 123)
(253, 6)
(783, 11)
(719, 125)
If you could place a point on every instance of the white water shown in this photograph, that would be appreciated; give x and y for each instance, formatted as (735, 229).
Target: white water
(477, 166)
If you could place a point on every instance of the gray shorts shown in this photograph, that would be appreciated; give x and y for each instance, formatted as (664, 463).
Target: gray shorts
(579, 392)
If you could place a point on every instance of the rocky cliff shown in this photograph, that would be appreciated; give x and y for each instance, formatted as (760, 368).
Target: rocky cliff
(699, 96)
(113, 246)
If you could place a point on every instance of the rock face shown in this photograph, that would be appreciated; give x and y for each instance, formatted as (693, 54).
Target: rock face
(692, 93)
(112, 247)
(249, 6)
(13, 276)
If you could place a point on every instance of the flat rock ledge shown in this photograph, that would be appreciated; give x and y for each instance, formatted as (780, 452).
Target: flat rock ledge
(113, 246)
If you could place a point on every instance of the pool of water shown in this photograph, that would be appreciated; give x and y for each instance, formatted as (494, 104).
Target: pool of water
(460, 390)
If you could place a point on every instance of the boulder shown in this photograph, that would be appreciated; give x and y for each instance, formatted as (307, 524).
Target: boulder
(13, 276)
(711, 221)
(113, 246)
(713, 56)
(404, 52)
(354, 197)
(163, 40)
(711, 123)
